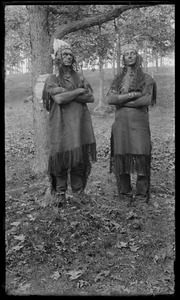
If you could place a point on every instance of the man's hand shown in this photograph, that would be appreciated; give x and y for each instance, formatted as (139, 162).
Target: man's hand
(81, 91)
(58, 90)
(134, 95)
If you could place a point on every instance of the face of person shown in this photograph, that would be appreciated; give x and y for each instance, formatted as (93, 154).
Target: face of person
(67, 57)
(130, 57)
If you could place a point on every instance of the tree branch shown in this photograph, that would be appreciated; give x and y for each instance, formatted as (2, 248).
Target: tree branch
(54, 11)
(92, 21)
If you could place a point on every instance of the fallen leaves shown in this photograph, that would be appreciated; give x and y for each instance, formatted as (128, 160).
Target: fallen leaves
(163, 152)
(137, 224)
(122, 245)
(15, 248)
(17, 223)
(74, 274)
(102, 274)
(20, 237)
(131, 215)
(133, 248)
(55, 275)
(82, 283)
(23, 288)
(131, 245)
(31, 218)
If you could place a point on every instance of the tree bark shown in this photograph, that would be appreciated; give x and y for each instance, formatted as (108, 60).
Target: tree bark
(156, 58)
(113, 68)
(145, 56)
(101, 77)
(105, 64)
(118, 44)
(161, 61)
(41, 64)
(26, 65)
(118, 52)
(113, 61)
(101, 87)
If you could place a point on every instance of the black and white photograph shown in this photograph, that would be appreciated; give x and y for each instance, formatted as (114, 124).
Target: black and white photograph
(89, 115)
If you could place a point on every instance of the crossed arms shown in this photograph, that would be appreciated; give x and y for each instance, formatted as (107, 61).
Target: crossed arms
(132, 99)
(82, 95)
(78, 95)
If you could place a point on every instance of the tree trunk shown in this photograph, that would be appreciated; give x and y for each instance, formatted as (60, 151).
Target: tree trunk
(26, 65)
(153, 59)
(145, 56)
(156, 58)
(101, 108)
(118, 52)
(118, 44)
(148, 57)
(41, 64)
(151, 55)
(161, 61)
(81, 68)
(101, 86)
(113, 62)
(105, 64)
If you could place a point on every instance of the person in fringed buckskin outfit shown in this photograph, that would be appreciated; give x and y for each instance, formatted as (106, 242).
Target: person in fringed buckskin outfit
(131, 91)
(72, 141)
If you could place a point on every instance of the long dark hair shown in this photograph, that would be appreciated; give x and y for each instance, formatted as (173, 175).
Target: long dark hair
(138, 80)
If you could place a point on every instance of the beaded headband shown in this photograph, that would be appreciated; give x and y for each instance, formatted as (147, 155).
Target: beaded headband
(130, 46)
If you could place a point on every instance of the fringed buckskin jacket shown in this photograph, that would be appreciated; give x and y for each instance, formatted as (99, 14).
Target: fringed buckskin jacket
(130, 135)
(70, 127)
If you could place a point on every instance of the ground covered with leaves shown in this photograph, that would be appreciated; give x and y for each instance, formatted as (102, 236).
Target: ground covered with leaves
(105, 247)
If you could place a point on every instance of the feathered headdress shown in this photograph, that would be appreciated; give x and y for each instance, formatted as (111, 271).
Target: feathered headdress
(59, 45)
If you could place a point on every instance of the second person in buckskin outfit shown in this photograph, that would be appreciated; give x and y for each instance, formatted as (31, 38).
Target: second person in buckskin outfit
(132, 91)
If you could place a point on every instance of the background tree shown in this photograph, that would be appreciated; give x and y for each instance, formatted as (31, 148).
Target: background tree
(17, 42)
(152, 27)
(41, 64)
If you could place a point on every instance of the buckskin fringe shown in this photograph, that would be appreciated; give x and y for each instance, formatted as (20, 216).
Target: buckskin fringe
(130, 163)
(71, 158)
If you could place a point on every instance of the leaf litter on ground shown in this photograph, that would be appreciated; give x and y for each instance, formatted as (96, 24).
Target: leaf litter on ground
(102, 274)
(74, 274)
(20, 237)
(56, 275)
